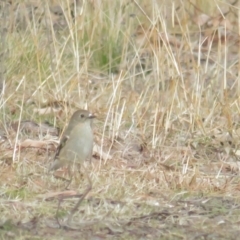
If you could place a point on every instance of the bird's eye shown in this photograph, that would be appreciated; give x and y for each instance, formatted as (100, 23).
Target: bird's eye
(82, 115)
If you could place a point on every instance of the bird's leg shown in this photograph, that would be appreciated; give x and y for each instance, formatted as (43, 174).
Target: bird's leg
(57, 212)
(87, 190)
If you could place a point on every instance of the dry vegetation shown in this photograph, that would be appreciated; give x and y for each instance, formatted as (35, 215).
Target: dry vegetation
(163, 78)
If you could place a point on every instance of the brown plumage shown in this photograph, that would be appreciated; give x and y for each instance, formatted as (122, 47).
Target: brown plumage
(76, 144)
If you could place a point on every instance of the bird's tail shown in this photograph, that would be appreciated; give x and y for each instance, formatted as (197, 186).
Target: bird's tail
(55, 165)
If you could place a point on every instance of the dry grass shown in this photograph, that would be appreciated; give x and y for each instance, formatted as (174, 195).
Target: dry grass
(163, 78)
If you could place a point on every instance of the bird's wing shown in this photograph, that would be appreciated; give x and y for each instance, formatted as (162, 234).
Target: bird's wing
(61, 145)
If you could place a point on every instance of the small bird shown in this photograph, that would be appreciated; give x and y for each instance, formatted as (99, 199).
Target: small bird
(76, 144)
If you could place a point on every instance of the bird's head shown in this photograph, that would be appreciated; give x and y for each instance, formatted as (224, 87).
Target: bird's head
(82, 116)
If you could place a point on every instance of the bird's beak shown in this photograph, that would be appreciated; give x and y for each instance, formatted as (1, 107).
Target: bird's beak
(91, 115)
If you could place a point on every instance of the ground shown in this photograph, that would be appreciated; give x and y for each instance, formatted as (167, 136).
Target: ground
(163, 80)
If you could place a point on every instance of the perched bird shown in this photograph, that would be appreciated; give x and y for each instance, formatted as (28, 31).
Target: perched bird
(76, 144)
